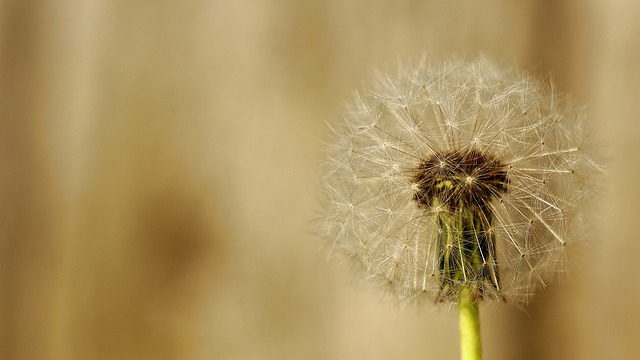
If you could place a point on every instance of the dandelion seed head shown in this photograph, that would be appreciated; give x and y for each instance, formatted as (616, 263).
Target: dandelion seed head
(457, 174)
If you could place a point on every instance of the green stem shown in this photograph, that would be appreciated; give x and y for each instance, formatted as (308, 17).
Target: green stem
(470, 344)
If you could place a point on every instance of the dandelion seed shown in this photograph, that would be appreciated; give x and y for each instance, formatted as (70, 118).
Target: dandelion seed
(457, 177)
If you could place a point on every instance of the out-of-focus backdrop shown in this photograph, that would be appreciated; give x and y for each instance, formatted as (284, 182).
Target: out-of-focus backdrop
(159, 166)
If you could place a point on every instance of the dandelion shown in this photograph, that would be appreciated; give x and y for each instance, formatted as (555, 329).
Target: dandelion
(457, 182)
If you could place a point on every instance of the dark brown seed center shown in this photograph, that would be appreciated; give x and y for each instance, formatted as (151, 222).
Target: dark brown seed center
(460, 178)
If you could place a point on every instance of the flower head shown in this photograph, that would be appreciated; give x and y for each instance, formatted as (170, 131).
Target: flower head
(457, 175)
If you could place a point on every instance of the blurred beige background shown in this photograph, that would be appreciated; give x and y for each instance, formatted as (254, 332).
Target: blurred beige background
(159, 165)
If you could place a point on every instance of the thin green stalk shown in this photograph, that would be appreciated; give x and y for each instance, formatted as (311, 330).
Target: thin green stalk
(470, 344)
